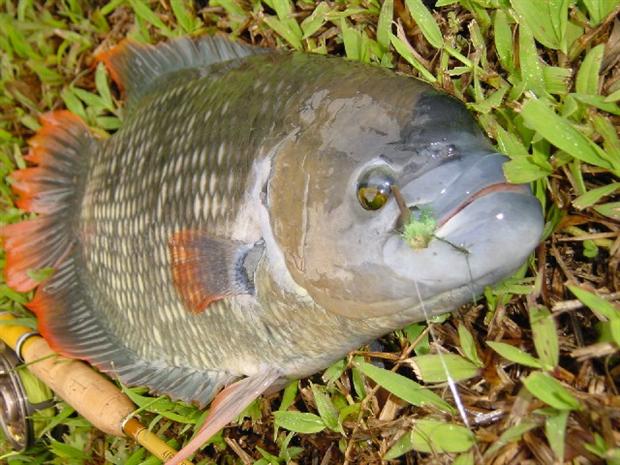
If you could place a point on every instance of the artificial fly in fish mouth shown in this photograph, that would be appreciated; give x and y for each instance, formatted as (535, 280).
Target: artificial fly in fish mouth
(259, 215)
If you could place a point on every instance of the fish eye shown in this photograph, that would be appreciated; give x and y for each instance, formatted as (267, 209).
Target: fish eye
(374, 188)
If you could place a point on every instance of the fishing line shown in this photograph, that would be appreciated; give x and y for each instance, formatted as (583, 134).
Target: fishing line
(451, 383)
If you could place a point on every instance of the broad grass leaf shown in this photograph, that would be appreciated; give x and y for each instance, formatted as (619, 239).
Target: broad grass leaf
(433, 436)
(299, 422)
(349, 410)
(550, 391)
(555, 430)
(183, 14)
(596, 303)
(547, 20)
(601, 306)
(523, 170)
(514, 354)
(464, 459)
(468, 345)
(232, 8)
(384, 26)
(73, 103)
(611, 141)
(492, 101)
(561, 133)
(438, 368)
(558, 13)
(358, 382)
(283, 8)
(594, 195)
(90, 99)
(289, 395)
(598, 101)
(405, 388)
(530, 64)
(142, 10)
(426, 22)
(588, 75)
(285, 30)
(17, 40)
(67, 451)
(545, 336)
(267, 457)
(599, 9)
(109, 123)
(503, 40)
(510, 143)
(103, 87)
(610, 210)
(326, 408)
(334, 372)
(403, 49)
(352, 39)
(613, 97)
(315, 21)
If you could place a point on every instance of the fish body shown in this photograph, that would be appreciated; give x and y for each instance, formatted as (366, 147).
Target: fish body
(245, 219)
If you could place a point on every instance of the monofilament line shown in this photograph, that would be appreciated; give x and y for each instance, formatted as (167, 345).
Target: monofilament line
(451, 383)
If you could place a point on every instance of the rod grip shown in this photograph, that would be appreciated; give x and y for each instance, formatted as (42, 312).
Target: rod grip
(96, 398)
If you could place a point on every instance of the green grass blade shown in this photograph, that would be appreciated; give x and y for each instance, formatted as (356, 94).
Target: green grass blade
(550, 391)
(562, 134)
(439, 368)
(545, 336)
(514, 354)
(433, 436)
(405, 388)
(299, 422)
(384, 26)
(588, 75)
(424, 19)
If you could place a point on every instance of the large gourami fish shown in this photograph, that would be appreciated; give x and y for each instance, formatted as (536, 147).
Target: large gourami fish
(244, 226)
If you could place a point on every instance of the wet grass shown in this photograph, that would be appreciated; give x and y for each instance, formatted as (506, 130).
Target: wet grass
(535, 363)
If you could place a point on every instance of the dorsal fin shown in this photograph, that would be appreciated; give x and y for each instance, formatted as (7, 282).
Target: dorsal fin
(135, 66)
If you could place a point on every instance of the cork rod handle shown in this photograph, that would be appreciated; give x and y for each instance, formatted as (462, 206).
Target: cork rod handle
(91, 394)
(96, 398)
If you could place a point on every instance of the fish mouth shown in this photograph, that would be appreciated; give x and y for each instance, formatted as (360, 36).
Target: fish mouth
(493, 188)
(449, 189)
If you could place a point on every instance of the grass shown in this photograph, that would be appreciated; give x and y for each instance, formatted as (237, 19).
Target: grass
(535, 362)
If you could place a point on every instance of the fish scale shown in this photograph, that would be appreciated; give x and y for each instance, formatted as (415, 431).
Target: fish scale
(105, 211)
(243, 224)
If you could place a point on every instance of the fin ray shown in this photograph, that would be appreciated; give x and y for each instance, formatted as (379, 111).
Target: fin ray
(206, 269)
(52, 189)
(135, 67)
(227, 406)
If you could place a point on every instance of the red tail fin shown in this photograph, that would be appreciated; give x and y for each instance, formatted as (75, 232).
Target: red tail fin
(50, 189)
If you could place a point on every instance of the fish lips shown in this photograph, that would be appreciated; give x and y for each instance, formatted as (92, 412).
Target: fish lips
(486, 228)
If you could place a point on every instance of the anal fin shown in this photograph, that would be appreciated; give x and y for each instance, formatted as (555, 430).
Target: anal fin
(227, 406)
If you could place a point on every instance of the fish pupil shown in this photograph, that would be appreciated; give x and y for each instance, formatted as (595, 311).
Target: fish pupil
(374, 188)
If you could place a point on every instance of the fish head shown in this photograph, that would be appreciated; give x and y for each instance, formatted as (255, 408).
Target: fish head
(362, 170)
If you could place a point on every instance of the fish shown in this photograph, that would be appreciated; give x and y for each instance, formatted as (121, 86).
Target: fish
(247, 224)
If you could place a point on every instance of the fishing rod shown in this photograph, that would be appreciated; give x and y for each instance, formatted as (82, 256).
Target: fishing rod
(88, 392)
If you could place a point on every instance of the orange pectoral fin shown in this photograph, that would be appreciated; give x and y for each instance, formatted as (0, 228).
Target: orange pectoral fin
(207, 269)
